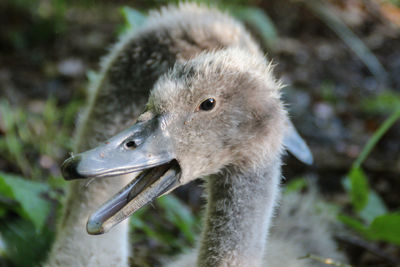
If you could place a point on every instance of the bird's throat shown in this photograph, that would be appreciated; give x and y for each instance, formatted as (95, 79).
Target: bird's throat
(239, 211)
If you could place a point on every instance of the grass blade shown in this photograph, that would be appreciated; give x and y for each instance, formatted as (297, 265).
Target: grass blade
(376, 137)
(355, 44)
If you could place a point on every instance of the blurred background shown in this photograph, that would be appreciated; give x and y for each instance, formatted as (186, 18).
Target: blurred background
(339, 58)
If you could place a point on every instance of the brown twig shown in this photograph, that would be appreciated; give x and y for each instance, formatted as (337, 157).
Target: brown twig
(328, 261)
(368, 246)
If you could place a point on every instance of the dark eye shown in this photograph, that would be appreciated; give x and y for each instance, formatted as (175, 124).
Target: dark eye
(208, 104)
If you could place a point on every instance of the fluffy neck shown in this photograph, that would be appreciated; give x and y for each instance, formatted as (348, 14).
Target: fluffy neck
(73, 245)
(239, 210)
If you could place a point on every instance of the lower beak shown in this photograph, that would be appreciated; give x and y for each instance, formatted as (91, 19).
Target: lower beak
(146, 187)
(145, 148)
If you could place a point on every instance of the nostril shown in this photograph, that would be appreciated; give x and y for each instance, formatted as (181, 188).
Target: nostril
(131, 144)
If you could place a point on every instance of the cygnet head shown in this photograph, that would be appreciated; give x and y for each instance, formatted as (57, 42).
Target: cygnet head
(221, 108)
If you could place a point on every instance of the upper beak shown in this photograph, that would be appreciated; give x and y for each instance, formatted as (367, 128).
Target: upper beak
(142, 146)
(146, 147)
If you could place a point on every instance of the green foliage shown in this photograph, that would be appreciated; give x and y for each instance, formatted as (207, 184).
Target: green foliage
(46, 19)
(327, 92)
(386, 228)
(384, 103)
(23, 245)
(376, 137)
(29, 195)
(25, 230)
(374, 207)
(359, 188)
(179, 215)
(32, 143)
(353, 223)
(295, 185)
(370, 215)
(373, 219)
(32, 136)
(25, 237)
(383, 228)
(173, 226)
(366, 202)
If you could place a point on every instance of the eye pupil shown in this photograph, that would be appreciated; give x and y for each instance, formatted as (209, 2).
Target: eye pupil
(208, 104)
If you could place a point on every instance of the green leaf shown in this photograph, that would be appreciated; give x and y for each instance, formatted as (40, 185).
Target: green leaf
(21, 244)
(50, 111)
(386, 228)
(353, 223)
(359, 190)
(295, 185)
(7, 117)
(385, 126)
(3, 212)
(375, 207)
(179, 214)
(383, 103)
(328, 93)
(28, 195)
(171, 225)
(383, 228)
(257, 19)
(138, 218)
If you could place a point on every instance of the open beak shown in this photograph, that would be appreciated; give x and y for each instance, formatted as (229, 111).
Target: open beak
(146, 148)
